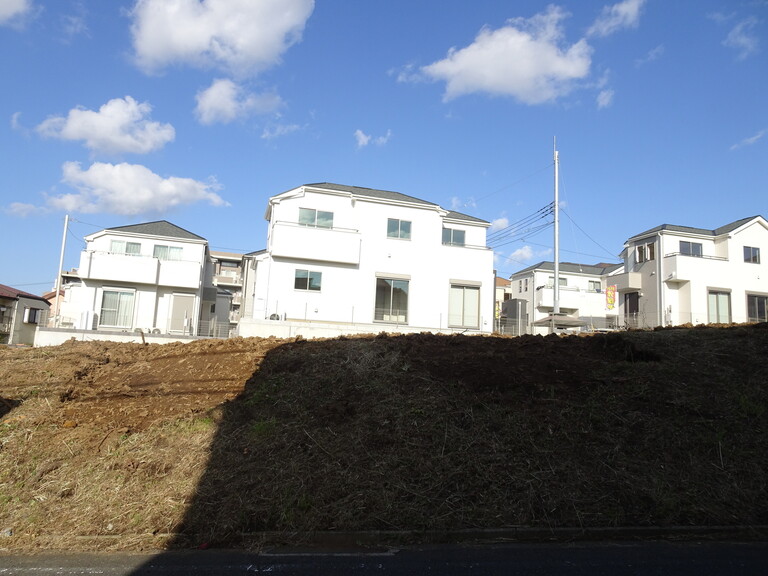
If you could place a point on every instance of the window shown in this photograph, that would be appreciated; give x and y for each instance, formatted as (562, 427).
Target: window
(117, 308)
(525, 286)
(167, 252)
(307, 280)
(316, 218)
(123, 247)
(752, 254)
(453, 237)
(646, 252)
(31, 315)
(519, 286)
(690, 248)
(719, 307)
(595, 286)
(551, 283)
(391, 300)
(757, 308)
(464, 307)
(398, 229)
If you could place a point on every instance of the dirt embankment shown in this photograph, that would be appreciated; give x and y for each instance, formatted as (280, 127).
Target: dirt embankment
(120, 446)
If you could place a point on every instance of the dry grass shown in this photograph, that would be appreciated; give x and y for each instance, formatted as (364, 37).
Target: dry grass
(414, 433)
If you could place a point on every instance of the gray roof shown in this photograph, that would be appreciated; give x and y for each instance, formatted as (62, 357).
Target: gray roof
(14, 294)
(573, 268)
(389, 195)
(158, 228)
(370, 193)
(700, 231)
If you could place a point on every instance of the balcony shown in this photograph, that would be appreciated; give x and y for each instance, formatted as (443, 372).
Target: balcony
(111, 267)
(627, 282)
(290, 240)
(680, 267)
(226, 278)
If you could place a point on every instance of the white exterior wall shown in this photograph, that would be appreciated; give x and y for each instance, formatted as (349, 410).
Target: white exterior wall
(153, 281)
(674, 288)
(356, 251)
(575, 298)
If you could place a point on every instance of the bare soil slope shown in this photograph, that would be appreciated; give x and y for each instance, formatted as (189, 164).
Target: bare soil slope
(120, 446)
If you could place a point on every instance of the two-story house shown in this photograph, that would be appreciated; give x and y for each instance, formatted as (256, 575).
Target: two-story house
(154, 277)
(228, 277)
(343, 259)
(585, 297)
(20, 313)
(679, 275)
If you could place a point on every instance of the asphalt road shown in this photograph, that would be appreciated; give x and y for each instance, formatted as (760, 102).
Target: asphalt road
(583, 559)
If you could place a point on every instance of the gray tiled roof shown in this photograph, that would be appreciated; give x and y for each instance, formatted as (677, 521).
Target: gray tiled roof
(701, 231)
(15, 294)
(370, 193)
(389, 195)
(158, 228)
(572, 268)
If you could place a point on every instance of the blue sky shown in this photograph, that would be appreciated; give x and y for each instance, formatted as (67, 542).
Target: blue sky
(197, 112)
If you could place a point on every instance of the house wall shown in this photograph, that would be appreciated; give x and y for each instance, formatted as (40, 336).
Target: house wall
(356, 251)
(14, 329)
(674, 288)
(576, 299)
(154, 282)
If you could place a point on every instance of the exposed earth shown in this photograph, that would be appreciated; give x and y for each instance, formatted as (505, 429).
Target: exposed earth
(235, 442)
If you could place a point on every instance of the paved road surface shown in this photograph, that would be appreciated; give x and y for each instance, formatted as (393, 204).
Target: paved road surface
(592, 559)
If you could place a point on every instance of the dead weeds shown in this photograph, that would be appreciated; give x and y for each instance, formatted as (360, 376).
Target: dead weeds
(120, 446)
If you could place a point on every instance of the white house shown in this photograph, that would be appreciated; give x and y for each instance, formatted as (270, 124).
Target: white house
(679, 275)
(342, 259)
(20, 313)
(155, 277)
(586, 298)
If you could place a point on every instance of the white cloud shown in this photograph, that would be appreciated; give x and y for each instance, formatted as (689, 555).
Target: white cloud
(525, 59)
(11, 11)
(364, 139)
(750, 141)
(625, 14)
(129, 189)
(743, 38)
(604, 99)
(498, 224)
(22, 209)
(240, 36)
(652, 55)
(121, 125)
(278, 130)
(523, 254)
(224, 101)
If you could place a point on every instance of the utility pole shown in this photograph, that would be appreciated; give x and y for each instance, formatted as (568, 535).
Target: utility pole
(556, 288)
(56, 319)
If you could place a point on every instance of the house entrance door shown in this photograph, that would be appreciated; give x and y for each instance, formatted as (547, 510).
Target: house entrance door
(182, 312)
(631, 308)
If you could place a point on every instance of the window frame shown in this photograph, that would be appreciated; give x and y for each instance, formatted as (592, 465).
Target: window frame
(166, 251)
(691, 249)
(714, 314)
(467, 319)
(452, 233)
(125, 247)
(315, 220)
(759, 299)
(117, 311)
(384, 303)
(400, 233)
(645, 252)
(754, 254)
(308, 280)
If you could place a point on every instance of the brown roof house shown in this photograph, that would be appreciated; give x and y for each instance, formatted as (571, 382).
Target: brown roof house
(20, 313)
